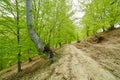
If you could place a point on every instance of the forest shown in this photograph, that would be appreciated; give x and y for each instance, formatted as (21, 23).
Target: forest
(30, 28)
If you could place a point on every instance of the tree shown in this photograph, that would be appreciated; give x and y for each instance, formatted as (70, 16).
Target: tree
(18, 35)
(35, 38)
(101, 15)
(51, 24)
(53, 21)
(12, 30)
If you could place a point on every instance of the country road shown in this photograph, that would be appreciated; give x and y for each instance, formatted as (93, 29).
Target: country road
(73, 65)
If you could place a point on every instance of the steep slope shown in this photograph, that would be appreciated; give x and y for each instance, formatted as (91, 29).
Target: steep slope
(74, 65)
(95, 58)
(106, 52)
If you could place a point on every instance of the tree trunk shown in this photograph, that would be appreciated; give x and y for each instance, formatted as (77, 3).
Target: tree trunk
(29, 58)
(35, 38)
(19, 63)
(18, 37)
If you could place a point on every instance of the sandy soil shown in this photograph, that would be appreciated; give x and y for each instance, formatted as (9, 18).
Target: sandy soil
(74, 65)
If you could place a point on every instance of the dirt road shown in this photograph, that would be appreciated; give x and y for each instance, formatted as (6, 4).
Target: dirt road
(73, 65)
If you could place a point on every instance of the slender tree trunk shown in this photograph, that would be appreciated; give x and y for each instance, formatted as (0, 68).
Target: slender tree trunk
(1, 61)
(19, 62)
(111, 27)
(18, 37)
(103, 28)
(29, 58)
(87, 31)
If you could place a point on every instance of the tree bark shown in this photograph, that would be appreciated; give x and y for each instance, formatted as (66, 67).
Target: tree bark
(35, 38)
(18, 37)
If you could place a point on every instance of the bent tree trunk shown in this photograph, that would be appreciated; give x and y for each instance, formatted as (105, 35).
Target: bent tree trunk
(35, 38)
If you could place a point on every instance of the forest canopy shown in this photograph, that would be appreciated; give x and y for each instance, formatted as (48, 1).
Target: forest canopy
(100, 15)
(51, 21)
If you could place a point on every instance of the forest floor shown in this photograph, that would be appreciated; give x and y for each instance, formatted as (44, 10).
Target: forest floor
(94, 58)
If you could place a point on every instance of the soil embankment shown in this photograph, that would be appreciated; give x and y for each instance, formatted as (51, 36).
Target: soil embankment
(94, 58)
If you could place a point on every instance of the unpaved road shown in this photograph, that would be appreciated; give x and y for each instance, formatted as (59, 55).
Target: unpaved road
(73, 65)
